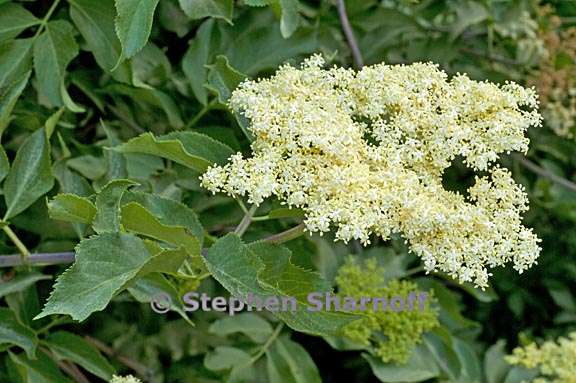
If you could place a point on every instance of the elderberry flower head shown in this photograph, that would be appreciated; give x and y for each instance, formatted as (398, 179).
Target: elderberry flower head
(403, 329)
(364, 153)
(554, 360)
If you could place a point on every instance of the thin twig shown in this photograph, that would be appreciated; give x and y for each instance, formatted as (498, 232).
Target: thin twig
(287, 235)
(69, 368)
(243, 225)
(37, 259)
(545, 173)
(142, 370)
(347, 29)
(45, 259)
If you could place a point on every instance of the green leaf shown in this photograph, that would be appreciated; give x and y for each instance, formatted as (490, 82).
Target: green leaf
(8, 97)
(108, 206)
(225, 358)
(155, 285)
(88, 165)
(21, 282)
(13, 332)
(286, 213)
(71, 347)
(495, 367)
(196, 58)
(52, 121)
(153, 97)
(137, 219)
(198, 9)
(195, 150)
(289, 362)
(250, 324)
(421, 366)
(104, 265)
(133, 24)
(168, 212)
(95, 21)
(4, 163)
(71, 208)
(40, 370)
(290, 18)
(239, 268)
(16, 61)
(223, 79)
(30, 176)
(14, 19)
(53, 51)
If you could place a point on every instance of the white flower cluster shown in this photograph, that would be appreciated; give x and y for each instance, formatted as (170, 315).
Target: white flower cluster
(364, 152)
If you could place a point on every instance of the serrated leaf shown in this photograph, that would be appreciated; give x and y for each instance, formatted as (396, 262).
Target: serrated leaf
(137, 219)
(195, 150)
(71, 208)
(421, 366)
(12, 332)
(14, 19)
(8, 97)
(154, 285)
(40, 370)
(289, 362)
(108, 206)
(21, 282)
(238, 267)
(255, 327)
(168, 212)
(258, 3)
(30, 176)
(95, 21)
(223, 79)
(104, 265)
(133, 24)
(53, 51)
(16, 61)
(71, 347)
(198, 9)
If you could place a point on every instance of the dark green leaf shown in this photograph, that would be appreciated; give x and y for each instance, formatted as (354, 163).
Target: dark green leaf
(53, 51)
(14, 19)
(71, 208)
(71, 347)
(133, 24)
(198, 9)
(13, 332)
(104, 264)
(194, 150)
(30, 176)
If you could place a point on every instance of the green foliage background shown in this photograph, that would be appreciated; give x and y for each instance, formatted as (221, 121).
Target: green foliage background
(110, 107)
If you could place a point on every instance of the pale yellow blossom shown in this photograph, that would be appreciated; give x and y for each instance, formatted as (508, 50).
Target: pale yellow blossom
(364, 153)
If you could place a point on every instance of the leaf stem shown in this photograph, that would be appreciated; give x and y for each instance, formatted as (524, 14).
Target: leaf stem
(208, 107)
(24, 252)
(287, 235)
(46, 18)
(246, 221)
(267, 344)
(545, 173)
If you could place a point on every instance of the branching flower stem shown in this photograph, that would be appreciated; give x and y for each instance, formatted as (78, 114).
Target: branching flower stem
(349, 33)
